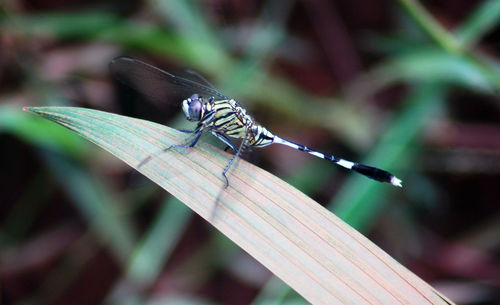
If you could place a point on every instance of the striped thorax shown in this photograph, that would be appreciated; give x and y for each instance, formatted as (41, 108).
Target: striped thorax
(227, 117)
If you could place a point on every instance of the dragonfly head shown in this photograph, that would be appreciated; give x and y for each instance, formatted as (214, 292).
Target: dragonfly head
(193, 107)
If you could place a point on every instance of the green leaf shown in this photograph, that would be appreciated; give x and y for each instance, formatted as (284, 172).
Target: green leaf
(309, 248)
(39, 132)
(483, 19)
(437, 66)
(97, 205)
(359, 201)
(158, 242)
(60, 149)
(435, 30)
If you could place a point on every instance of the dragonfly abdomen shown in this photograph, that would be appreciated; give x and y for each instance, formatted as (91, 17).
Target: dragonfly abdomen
(368, 171)
(260, 136)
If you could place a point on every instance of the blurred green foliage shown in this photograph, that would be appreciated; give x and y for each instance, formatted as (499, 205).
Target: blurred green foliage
(431, 62)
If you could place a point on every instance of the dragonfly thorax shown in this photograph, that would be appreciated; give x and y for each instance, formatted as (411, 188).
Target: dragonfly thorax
(193, 107)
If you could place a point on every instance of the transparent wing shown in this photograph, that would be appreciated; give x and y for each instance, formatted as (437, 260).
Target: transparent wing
(197, 78)
(156, 83)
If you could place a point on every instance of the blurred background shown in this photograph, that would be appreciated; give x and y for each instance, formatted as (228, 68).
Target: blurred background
(409, 86)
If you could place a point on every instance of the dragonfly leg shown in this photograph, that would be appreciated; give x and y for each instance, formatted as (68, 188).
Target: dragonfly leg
(193, 143)
(186, 130)
(236, 155)
(224, 139)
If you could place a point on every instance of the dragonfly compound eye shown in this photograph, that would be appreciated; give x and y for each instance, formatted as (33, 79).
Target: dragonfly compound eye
(192, 107)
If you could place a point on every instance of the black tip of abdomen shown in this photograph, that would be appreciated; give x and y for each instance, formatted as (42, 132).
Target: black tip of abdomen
(373, 172)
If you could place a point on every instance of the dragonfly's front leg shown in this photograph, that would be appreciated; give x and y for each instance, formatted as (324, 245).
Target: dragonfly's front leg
(193, 143)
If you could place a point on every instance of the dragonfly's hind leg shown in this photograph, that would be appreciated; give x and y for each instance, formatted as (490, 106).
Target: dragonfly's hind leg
(236, 155)
(193, 143)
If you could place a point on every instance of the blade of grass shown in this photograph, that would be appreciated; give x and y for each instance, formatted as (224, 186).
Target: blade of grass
(99, 207)
(40, 133)
(188, 18)
(309, 248)
(435, 65)
(159, 242)
(273, 292)
(448, 41)
(438, 33)
(359, 202)
(27, 208)
(61, 150)
(484, 18)
(152, 252)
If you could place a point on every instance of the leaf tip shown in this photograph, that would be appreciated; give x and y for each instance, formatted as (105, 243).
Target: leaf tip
(35, 110)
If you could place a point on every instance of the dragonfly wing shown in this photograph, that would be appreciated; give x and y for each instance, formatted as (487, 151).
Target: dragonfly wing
(156, 83)
(197, 77)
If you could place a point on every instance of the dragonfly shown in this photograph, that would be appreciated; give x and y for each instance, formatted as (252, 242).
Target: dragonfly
(217, 114)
